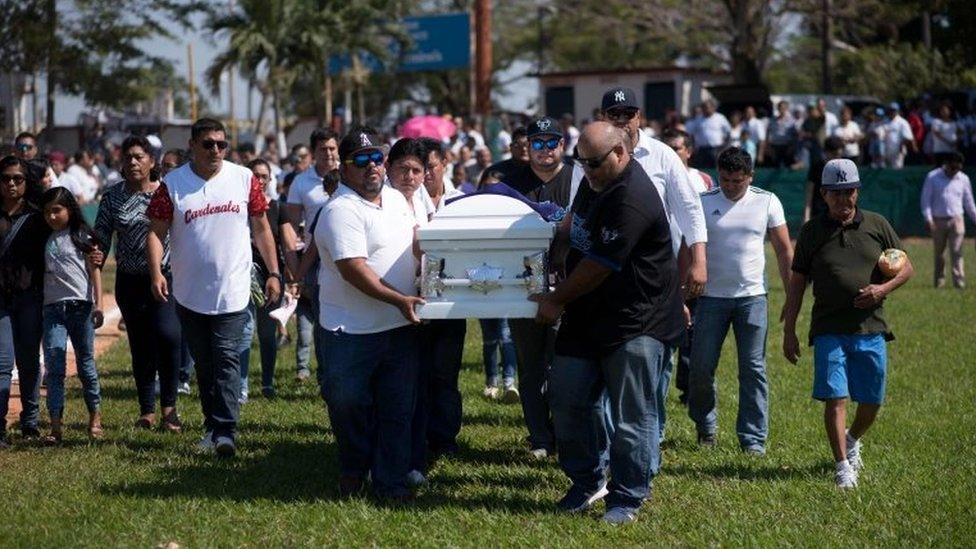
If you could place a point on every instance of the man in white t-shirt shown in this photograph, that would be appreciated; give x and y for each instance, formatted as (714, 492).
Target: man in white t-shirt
(211, 209)
(830, 119)
(897, 137)
(739, 217)
(712, 134)
(85, 177)
(307, 194)
(366, 331)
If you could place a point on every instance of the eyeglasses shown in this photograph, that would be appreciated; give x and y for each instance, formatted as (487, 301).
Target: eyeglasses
(551, 144)
(362, 160)
(209, 144)
(591, 163)
(17, 179)
(621, 115)
(26, 146)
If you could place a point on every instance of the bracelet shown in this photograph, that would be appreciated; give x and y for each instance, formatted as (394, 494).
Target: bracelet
(275, 275)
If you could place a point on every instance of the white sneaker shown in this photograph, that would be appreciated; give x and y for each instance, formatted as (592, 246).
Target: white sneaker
(511, 394)
(416, 479)
(183, 388)
(206, 443)
(845, 476)
(854, 453)
(539, 453)
(490, 392)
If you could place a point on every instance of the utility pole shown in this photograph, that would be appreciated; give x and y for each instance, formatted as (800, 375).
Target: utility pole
(52, 69)
(483, 57)
(230, 89)
(193, 88)
(826, 83)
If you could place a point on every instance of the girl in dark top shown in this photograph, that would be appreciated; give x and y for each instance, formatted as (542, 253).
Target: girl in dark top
(151, 326)
(23, 234)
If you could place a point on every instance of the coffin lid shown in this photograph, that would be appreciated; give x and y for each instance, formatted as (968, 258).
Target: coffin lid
(486, 216)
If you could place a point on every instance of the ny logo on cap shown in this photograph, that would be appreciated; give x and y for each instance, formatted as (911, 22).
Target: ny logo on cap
(619, 96)
(364, 140)
(543, 124)
(841, 176)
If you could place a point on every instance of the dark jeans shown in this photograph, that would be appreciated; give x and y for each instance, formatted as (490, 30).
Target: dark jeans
(21, 329)
(437, 412)
(684, 354)
(535, 347)
(267, 330)
(369, 388)
(783, 156)
(155, 341)
(628, 379)
(495, 335)
(214, 342)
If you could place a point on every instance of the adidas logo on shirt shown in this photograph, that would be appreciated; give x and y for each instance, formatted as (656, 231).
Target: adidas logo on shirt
(716, 212)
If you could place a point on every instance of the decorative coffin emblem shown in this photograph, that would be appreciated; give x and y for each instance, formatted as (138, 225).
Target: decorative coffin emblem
(431, 284)
(485, 278)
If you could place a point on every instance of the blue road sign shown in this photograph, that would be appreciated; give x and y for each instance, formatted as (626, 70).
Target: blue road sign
(439, 42)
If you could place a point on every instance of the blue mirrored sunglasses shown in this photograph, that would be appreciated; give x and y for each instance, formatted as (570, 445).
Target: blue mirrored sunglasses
(362, 160)
(551, 144)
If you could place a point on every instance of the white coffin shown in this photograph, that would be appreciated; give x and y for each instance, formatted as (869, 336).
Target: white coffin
(483, 256)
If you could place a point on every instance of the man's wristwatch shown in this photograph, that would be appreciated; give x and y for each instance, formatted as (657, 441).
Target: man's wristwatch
(276, 275)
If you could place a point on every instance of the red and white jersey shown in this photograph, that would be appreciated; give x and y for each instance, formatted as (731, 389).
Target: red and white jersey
(700, 181)
(210, 236)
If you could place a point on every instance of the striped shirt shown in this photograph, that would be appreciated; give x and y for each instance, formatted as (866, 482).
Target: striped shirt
(123, 212)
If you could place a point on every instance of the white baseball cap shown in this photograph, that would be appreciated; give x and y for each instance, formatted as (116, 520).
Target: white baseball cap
(840, 174)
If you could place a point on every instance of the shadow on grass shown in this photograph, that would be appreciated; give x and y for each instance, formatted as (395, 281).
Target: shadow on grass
(751, 471)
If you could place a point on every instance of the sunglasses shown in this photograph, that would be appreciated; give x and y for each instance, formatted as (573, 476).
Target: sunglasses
(362, 160)
(621, 115)
(209, 144)
(17, 179)
(25, 146)
(591, 163)
(551, 144)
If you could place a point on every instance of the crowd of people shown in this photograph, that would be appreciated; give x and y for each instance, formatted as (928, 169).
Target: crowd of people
(651, 257)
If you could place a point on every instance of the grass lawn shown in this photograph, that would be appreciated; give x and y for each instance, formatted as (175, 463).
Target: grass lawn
(144, 489)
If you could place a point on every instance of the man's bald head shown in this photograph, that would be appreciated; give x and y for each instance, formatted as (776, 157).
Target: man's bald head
(603, 151)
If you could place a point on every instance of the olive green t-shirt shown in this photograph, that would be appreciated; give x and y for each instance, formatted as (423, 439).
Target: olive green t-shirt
(839, 261)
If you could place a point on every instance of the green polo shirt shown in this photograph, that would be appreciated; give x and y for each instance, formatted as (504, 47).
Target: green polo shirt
(840, 260)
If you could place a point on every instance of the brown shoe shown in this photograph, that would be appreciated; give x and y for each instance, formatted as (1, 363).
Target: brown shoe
(95, 431)
(146, 421)
(54, 438)
(171, 421)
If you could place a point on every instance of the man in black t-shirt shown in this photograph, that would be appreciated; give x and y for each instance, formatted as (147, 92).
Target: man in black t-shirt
(623, 313)
(546, 178)
(519, 149)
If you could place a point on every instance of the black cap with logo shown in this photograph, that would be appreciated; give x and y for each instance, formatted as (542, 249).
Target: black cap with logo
(359, 139)
(543, 126)
(619, 98)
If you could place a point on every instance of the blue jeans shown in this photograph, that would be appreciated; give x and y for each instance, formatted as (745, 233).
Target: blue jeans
(437, 412)
(369, 388)
(247, 336)
(748, 319)
(579, 390)
(21, 328)
(214, 342)
(534, 346)
(495, 335)
(306, 320)
(64, 320)
(267, 330)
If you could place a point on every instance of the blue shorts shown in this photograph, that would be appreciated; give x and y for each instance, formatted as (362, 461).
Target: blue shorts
(850, 366)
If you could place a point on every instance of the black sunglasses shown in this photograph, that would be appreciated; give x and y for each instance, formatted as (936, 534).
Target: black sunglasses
(17, 179)
(591, 163)
(621, 115)
(362, 160)
(551, 144)
(221, 144)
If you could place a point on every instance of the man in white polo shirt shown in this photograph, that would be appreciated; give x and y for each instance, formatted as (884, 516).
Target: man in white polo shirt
(712, 134)
(211, 208)
(739, 216)
(366, 332)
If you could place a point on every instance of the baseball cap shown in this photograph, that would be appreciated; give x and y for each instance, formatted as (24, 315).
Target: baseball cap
(543, 126)
(840, 174)
(359, 139)
(619, 98)
(894, 106)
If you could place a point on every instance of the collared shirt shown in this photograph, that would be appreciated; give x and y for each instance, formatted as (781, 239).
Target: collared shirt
(353, 227)
(308, 192)
(122, 212)
(670, 177)
(944, 197)
(839, 261)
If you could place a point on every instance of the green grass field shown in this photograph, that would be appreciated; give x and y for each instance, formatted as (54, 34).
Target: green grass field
(144, 489)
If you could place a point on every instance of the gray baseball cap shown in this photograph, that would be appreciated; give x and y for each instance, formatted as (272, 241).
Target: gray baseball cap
(840, 174)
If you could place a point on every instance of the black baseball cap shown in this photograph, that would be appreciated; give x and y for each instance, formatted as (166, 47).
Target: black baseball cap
(543, 126)
(360, 139)
(617, 98)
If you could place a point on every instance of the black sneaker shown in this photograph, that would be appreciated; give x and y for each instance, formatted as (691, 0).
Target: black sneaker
(4, 441)
(577, 501)
(30, 433)
(351, 486)
(269, 392)
(707, 440)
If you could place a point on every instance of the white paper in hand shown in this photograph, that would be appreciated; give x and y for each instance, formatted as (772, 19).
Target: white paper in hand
(283, 313)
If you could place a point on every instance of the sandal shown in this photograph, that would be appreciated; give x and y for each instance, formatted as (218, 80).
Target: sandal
(95, 431)
(145, 421)
(54, 439)
(171, 422)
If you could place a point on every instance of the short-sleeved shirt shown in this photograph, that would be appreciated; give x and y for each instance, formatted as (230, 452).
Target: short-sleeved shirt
(508, 168)
(625, 228)
(896, 132)
(736, 255)
(22, 266)
(839, 261)
(815, 176)
(308, 192)
(352, 227)
(557, 190)
(122, 212)
(210, 235)
(65, 273)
